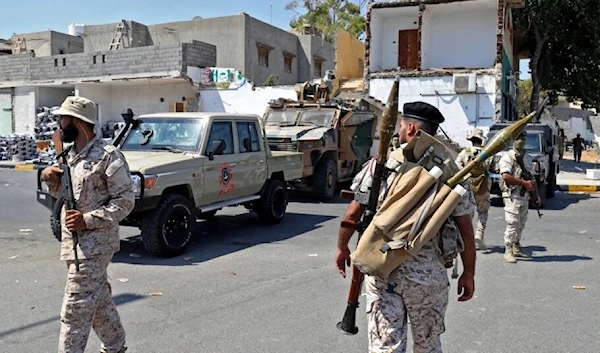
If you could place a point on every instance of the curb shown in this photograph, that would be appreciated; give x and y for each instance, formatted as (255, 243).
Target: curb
(22, 167)
(579, 188)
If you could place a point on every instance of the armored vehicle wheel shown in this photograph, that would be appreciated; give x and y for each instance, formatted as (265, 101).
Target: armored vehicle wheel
(272, 205)
(325, 179)
(168, 230)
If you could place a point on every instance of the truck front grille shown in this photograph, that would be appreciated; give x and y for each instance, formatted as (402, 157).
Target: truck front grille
(282, 144)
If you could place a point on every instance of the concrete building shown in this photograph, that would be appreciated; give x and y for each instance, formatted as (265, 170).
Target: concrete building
(254, 48)
(455, 55)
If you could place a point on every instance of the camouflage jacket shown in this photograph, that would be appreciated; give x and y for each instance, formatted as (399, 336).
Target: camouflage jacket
(508, 164)
(426, 267)
(103, 193)
(480, 183)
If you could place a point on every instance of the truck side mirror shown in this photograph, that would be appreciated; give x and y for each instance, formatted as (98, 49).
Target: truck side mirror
(215, 149)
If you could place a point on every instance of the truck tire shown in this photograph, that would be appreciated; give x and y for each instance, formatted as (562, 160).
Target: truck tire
(273, 203)
(325, 179)
(168, 230)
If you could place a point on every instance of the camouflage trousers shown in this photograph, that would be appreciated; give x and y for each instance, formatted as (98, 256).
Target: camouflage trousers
(390, 302)
(515, 214)
(483, 208)
(88, 304)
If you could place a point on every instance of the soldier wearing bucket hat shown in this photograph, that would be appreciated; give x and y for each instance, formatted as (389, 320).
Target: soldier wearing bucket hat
(104, 196)
(419, 288)
(481, 185)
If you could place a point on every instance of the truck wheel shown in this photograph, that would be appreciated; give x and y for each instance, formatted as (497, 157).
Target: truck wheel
(551, 187)
(325, 179)
(168, 230)
(272, 205)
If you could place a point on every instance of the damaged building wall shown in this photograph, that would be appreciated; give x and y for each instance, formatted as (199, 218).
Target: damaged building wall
(459, 35)
(463, 112)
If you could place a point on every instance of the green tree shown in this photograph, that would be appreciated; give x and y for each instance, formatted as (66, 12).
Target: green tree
(326, 17)
(563, 38)
(524, 96)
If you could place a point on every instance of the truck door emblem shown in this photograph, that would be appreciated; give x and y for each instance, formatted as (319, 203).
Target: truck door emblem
(225, 178)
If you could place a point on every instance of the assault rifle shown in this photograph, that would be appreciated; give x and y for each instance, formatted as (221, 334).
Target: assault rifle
(388, 125)
(69, 199)
(534, 194)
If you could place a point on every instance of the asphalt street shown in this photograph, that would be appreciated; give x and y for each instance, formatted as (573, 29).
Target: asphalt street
(244, 287)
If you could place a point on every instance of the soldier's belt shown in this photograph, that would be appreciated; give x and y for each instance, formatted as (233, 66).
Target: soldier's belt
(412, 214)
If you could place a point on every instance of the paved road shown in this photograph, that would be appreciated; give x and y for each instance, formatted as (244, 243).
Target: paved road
(243, 287)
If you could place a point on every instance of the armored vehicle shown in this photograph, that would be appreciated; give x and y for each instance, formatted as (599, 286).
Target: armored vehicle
(542, 146)
(190, 165)
(334, 135)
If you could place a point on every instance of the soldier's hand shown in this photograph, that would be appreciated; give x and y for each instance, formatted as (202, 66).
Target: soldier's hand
(529, 185)
(51, 174)
(466, 287)
(74, 221)
(342, 258)
(539, 201)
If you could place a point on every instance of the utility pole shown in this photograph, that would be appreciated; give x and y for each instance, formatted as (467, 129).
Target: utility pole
(271, 13)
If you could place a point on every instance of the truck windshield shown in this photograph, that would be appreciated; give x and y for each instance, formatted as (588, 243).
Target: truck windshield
(532, 145)
(279, 117)
(317, 117)
(181, 134)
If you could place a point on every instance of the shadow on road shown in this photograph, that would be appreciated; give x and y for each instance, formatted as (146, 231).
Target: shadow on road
(560, 201)
(118, 299)
(569, 166)
(533, 249)
(224, 235)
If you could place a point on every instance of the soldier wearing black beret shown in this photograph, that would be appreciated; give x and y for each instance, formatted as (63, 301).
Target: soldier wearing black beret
(418, 288)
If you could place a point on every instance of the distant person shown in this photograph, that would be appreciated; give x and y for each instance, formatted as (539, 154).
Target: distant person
(561, 144)
(578, 145)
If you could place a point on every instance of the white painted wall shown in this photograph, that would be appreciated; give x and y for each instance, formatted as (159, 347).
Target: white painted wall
(142, 99)
(579, 126)
(244, 99)
(25, 105)
(385, 24)
(454, 38)
(462, 112)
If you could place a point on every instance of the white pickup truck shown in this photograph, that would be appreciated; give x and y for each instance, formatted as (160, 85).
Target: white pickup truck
(186, 166)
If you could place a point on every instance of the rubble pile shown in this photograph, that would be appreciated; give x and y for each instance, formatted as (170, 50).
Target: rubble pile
(45, 123)
(18, 148)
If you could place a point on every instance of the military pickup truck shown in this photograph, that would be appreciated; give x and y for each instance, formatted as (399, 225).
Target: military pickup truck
(542, 146)
(186, 166)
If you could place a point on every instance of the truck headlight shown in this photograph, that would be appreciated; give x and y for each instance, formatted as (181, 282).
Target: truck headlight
(536, 167)
(148, 180)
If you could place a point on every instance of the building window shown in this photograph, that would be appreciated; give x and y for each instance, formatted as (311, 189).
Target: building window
(287, 64)
(263, 54)
(318, 64)
(408, 49)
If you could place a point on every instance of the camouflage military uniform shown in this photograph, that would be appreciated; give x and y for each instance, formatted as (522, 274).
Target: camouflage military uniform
(417, 288)
(482, 197)
(104, 195)
(516, 206)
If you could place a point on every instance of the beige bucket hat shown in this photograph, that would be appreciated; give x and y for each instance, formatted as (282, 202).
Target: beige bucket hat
(79, 107)
(477, 133)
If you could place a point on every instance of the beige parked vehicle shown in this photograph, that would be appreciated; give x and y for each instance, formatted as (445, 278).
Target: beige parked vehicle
(189, 165)
(335, 136)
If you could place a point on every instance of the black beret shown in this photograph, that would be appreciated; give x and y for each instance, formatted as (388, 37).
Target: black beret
(423, 111)
(396, 135)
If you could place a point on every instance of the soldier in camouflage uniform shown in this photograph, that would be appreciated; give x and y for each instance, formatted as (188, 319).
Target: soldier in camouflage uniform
(417, 289)
(481, 184)
(516, 199)
(104, 196)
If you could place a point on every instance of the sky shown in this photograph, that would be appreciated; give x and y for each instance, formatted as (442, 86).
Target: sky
(57, 15)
